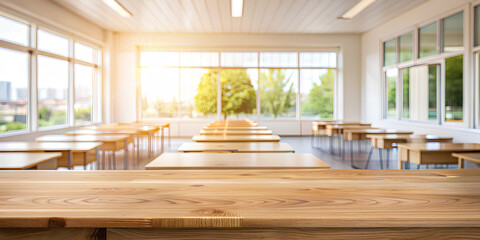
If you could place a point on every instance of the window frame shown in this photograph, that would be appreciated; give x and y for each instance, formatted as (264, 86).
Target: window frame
(33, 53)
(221, 50)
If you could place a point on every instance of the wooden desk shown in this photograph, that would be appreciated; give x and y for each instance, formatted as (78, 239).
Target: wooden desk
(212, 204)
(235, 128)
(471, 157)
(161, 125)
(259, 147)
(245, 132)
(388, 141)
(338, 129)
(73, 153)
(236, 138)
(111, 143)
(24, 160)
(433, 153)
(361, 134)
(247, 161)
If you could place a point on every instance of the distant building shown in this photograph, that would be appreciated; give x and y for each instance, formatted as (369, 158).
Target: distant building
(5, 91)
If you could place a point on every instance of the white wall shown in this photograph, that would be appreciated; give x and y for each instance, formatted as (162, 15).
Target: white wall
(124, 85)
(371, 68)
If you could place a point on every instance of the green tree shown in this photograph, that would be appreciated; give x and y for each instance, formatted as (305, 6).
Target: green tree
(276, 92)
(454, 87)
(44, 113)
(320, 98)
(15, 126)
(238, 94)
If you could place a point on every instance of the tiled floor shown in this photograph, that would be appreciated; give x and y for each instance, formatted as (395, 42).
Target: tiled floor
(300, 144)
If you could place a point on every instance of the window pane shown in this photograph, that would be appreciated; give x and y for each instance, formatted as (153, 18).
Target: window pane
(278, 59)
(83, 93)
(159, 59)
(454, 89)
(427, 37)
(323, 59)
(391, 76)
(239, 59)
(198, 93)
(49, 42)
(390, 52)
(406, 93)
(13, 90)
(13, 31)
(477, 25)
(453, 33)
(159, 87)
(52, 91)
(406, 47)
(239, 92)
(316, 93)
(199, 59)
(84, 53)
(420, 93)
(278, 89)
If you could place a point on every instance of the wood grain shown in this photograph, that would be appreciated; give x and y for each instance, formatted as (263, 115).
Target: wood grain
(236, 132)
(247, 161)
(236, 199)
(24, 160)
(236, 138)
(235, 128)
(241, 147)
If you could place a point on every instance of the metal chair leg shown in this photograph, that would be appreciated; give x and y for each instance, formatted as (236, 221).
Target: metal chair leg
(369, 156)
(388, 158)
(380, 153)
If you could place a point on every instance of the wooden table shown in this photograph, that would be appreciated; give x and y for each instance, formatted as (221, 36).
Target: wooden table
(236, 138)
(234, 204)
(258, 147)
(235, 132)
(433, 153)
(73, 153)
(471, 157)
(161, 125)
(234, 128)
(27, 160)
(111, 143)
(247, 161)
(361, 134)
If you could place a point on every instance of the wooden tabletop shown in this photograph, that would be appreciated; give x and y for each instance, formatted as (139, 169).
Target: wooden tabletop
(248, 161)
(259, 147)
(236, 138)
(82, 138)
(235, 132)
(423, 138)
(25, 160)
(472, 157)
(48, 146)
(236, 199)
(377, 131)
(234, 128)
(112, 127)
(101, 132)
(439, 147)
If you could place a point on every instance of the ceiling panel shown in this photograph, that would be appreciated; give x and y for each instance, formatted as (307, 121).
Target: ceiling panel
(259, 16)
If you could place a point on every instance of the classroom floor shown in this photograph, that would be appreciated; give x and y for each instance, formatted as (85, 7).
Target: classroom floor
(300, 144)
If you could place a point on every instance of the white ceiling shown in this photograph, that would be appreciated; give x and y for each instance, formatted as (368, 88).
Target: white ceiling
(259, 16)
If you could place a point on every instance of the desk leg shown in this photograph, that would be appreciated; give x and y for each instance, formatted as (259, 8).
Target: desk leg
(85, 161)
(460, 162)
(125, 157)
(104, 160)
(380, 153)
(138, 148)
(369, 156)
(400, 158)
(70, 157)
(163, 139)
(97, 159)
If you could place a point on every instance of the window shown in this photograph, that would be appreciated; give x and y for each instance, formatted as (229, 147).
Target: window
(427, 38)
(84, 53)
(52, 91)
(52, 43)
(252, 84)
(477, 26)
(406, 47)
(316, 89)
(13, 31)
(453, 33)
(390, 52)
(391, 86)
(454, 89)
(420, 93)
(83, 93)
(13, 90)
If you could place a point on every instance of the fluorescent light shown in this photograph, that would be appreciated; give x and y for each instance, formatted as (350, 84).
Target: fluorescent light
(237, 8)
(358, 8)
(117, 7)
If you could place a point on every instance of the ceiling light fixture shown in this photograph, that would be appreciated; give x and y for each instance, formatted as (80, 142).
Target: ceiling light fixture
(358, 8)
(237, 8)
(117, 7)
